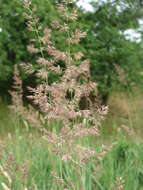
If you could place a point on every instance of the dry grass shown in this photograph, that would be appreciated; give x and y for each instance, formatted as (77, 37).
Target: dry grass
(125, 113)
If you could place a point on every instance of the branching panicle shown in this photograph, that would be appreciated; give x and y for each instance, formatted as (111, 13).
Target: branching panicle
(16, 92)
(70, 98)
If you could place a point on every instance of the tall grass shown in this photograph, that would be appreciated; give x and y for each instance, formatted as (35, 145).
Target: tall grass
(30, 164)
(27, 159)
(125, 111)
(6, 124)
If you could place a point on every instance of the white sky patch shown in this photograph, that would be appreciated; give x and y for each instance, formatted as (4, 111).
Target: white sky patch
(0, 29)
(132, 35)
(85, 4)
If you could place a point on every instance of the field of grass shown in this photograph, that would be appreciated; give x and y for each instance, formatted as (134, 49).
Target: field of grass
(29, 164)
(6, 124)
(26, 161)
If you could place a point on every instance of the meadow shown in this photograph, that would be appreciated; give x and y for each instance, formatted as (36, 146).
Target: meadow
(71, 110)
(28, 163)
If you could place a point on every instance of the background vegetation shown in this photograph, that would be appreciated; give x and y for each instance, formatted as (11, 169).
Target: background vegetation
(106, 44)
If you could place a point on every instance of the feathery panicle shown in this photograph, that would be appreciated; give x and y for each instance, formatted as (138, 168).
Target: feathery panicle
(17, 92)
(4, 173)
(72, 99)
(119, 183)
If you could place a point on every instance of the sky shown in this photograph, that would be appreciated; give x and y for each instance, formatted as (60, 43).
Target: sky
(85, 4)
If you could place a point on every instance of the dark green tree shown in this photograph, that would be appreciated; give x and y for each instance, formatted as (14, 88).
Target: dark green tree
(14, 37)
(106, 46)
(110, 52)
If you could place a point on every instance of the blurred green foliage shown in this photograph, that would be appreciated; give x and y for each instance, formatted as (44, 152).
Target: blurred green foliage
(105, 45)
(110, 52)
(14, 37)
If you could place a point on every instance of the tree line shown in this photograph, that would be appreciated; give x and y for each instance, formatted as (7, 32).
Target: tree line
(115, 61)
